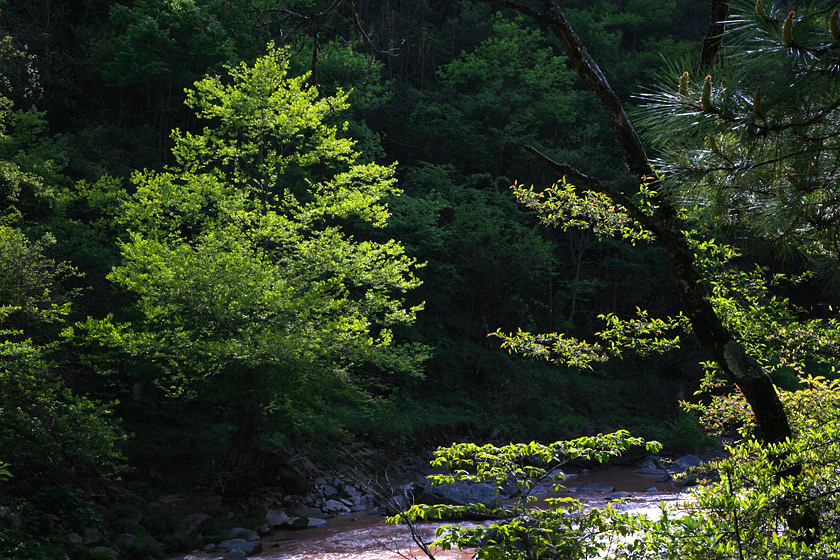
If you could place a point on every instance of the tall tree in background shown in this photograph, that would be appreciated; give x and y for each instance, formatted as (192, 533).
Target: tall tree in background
(52, 438)
(253, 289)
(663, 219)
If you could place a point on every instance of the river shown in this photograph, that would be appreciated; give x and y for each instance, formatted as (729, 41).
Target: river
(357, 536)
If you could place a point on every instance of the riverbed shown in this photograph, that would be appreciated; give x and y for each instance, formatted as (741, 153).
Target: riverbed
(360, 536)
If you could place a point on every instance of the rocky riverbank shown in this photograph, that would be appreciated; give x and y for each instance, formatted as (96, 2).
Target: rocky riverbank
(287, 517)
(235, 527)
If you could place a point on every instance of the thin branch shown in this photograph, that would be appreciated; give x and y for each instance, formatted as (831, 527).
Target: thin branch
(361, 29)
(582, 179)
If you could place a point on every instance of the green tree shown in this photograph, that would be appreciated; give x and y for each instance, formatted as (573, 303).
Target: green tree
(48, 434)
(758, 166)
(655, 215)
(753, 146)
(253, 283)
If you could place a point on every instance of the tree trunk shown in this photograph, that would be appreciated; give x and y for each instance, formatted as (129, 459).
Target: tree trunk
(667, 227)
(714, 35)
(243, 447)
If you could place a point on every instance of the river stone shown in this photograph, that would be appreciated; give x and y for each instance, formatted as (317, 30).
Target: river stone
(248, 547)
(396, 504)
(335, 506)
(595, 488)
(652, 489)
(320, 481)
(243, 533)
(316, 522)
(191, 523)
(688, 462)
(557, 476)
(328, 490)
(75, 538)
(649, 466)
(299, 523)
(352, 491)
(359, 507)
(461, 494)
(91, 535)
(619, 496)
(301, 510)
(277, 518)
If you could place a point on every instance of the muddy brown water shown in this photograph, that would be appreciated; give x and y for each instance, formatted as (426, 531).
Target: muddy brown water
(359, 536)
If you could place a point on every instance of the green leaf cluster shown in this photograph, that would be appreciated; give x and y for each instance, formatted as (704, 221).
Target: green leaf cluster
(753, 511)
(248, 256)
(564, 530)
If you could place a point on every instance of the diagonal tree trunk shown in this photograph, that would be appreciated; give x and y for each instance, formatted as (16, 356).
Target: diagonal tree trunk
(666, 226)
(714, 35)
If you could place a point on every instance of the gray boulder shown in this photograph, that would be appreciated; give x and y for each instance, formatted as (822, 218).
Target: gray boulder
(277, 518)
(335, 506)
(688, 462)
(316, 522)
(546, 485)
(243, 533)
(91, 535)
(649, 466)
(248, 547)
(191, 523)
(460, 494)
(301, 510)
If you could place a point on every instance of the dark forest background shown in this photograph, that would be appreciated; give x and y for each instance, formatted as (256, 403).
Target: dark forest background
(448, 90)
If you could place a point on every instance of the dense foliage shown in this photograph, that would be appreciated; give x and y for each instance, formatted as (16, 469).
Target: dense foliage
(234, 230)
(745, 513)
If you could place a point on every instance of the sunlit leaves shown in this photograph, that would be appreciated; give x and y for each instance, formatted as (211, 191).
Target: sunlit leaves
(565, 529)
(761, 153)
(564, 206)
(751, 512)
(244, 257)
